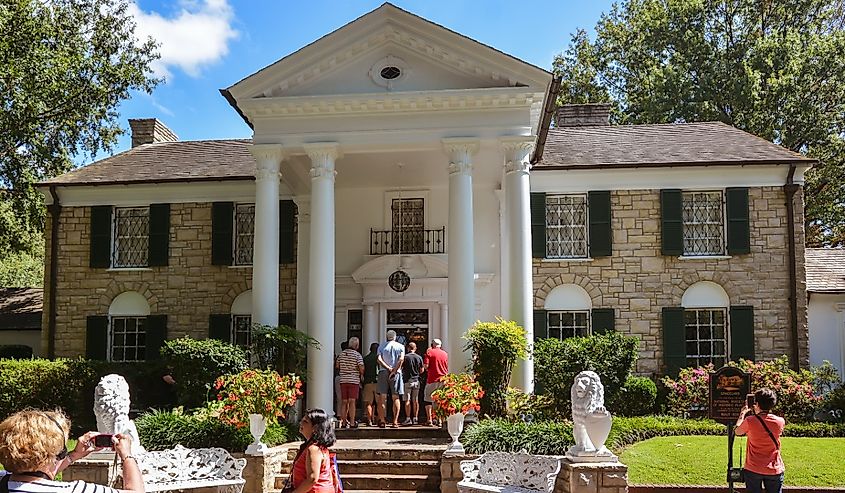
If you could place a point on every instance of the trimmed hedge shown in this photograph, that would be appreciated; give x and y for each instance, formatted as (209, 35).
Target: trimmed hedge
(196, 364)
(553, 438)
(637, 398)
(160, 430)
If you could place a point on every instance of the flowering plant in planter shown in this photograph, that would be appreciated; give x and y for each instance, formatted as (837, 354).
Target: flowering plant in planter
(263, 392)
(459, 393)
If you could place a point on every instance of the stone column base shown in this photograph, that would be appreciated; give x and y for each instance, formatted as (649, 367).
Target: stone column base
(592, 477)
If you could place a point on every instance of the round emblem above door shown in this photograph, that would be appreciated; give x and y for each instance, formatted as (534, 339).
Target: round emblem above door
(399, 281)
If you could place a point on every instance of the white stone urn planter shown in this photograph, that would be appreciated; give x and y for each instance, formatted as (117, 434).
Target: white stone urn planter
(257, 427)
(455, 425)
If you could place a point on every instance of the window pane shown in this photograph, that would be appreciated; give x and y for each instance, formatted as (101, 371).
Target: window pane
(244, 233)
(705, 338)
(131, 237)
(566, 226)
(128, 338)
(554, 319)
(703, 226)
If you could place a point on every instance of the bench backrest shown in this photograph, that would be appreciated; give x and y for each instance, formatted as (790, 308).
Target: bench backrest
(533, 472)
(181, 464)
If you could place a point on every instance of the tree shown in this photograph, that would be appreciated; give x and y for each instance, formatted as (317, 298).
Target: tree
(772, 68)
(66, 65)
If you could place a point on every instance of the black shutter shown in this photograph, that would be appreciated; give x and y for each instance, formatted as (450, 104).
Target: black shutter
(538, 225)
(100, 247)
(159, 235)
(156, 334)
(287, 318)
(672, 222)
(742, 332)
(603, 320)
(222, 224)
(600, 232)
(287, 231)
(220, 327)
(541, 325)
(674, 340)
(96, 337)
(736, 211)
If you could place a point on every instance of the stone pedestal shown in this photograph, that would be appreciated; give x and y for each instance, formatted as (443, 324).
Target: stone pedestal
(592, 477)
(450, 471)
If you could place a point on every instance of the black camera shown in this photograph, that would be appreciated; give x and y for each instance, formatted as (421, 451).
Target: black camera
(736, 475)
(103, 440)
(749, 400)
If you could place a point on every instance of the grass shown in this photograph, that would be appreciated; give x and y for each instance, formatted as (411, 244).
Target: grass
(703, 460)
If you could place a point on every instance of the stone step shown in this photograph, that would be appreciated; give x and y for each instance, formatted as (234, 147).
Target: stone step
(376, 467)
(374, 454)
(403, 432)
(391, 482)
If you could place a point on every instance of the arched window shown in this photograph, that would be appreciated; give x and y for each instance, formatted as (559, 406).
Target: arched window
(568, 312)
(242, 319)
(706, 327)
(127, 327)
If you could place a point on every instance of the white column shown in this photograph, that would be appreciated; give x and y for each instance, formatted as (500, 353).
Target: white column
(444, 322)
(321, 276)
(303, 254)
(371, 334)
(461, 248)
(265, 246)
(518, 223)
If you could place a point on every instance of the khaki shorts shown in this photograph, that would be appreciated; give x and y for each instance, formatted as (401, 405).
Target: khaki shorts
(412, 391)
(368, 395)
(429, 388)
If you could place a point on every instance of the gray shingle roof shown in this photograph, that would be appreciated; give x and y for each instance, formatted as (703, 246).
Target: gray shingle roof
(20, 308)
(681, 144)
(825, 270)
(199, 160)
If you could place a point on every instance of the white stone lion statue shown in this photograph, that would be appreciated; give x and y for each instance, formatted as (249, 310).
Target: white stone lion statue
(111, 408)
(590, 420)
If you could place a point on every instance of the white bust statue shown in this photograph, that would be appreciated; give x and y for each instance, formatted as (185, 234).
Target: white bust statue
(111, 408)
(590, 420)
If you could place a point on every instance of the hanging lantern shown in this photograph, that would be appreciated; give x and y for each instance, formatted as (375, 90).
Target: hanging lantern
(399, 281)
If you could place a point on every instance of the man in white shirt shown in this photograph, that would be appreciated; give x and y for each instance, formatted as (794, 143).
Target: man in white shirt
(391, 355)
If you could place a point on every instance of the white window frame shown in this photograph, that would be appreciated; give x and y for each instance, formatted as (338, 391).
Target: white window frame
(553, 249)
(722, 227)
(236, 235)
(699, 359)
(115, 238)
(139, 320)
(560, 328)
(235, 329)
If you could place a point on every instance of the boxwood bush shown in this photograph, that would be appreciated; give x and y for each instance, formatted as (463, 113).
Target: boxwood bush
(637, 398)
(196, 364)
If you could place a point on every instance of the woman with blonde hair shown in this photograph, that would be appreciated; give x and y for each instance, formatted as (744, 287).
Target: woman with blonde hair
(33, 451)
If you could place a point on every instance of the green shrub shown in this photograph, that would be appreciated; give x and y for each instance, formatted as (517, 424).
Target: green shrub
(530, 407)
(196, 364)
(637, 398)
(44, 384)
(556, 363)
(161, 430)
(688, 393)
(627, 431)
(834, 404)
(280, 348)
(797, 396)
(495, 347)
(543, 437)
(815, 430)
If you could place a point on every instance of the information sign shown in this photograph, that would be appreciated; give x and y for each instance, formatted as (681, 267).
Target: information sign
(728, 388)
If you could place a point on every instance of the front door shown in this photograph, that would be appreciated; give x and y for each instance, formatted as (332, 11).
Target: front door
(411, 325)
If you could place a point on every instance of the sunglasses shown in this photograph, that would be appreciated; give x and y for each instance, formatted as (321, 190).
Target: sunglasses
(64, 452)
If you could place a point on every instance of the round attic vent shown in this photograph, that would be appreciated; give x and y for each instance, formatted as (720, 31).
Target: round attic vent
(390, 72)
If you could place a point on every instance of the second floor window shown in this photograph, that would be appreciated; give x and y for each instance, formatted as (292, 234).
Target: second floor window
(566, 226)
(408, 222)
(244, 233)
(131, 237)
(704, 223)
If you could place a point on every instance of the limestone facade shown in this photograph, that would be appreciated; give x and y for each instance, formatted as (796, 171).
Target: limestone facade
(188, 290)
(638, 281)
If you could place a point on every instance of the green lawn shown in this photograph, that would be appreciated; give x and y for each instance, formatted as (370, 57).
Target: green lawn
(703, 460)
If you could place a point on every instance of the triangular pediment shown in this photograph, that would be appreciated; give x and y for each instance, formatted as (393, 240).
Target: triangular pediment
(350, 61)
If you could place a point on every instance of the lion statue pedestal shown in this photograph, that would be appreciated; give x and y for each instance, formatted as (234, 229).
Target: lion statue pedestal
(590, 421)
(111, 408)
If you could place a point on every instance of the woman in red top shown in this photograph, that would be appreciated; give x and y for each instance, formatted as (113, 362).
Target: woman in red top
(312, 468)
(763, 463)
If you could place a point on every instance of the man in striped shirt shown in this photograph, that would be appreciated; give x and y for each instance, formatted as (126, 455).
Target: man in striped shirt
(351, 366)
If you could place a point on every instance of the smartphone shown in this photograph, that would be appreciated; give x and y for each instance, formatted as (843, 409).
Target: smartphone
(103, 441)
(749, 400)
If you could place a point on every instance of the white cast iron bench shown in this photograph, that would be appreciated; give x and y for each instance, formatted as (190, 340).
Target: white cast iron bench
(183, 468)
(505, 472)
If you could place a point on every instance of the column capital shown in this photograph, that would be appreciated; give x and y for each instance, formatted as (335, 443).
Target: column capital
(268, 159)
(516, 149)
(323, 156)
(460, 151)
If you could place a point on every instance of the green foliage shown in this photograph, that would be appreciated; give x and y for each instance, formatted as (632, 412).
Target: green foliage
(67, 65)
(196, 364)
(160, 430)
(637, 398)
(689, 392)
(22, 264)
(529, 407)
(556, 363)
(774, 69)
(815, 430)
(834, 404)
(544, 437)
(280, 348)
(495, 347)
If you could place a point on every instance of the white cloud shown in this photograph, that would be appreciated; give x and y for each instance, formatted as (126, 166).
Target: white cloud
(195, 37)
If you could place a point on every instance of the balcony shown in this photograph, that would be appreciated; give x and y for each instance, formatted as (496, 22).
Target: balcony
(408, 241)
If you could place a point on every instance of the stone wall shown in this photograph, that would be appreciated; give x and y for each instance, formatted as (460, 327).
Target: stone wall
(638, 281)
(188, 290)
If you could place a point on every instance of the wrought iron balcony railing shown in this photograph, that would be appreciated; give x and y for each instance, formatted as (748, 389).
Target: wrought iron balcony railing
(410, 240)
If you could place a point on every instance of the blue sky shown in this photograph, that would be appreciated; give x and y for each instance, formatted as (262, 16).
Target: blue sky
(207, 45)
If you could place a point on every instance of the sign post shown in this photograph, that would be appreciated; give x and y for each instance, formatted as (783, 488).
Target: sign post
(728, 388)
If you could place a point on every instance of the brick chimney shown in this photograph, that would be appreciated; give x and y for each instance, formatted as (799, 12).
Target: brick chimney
(583, 115)
(150, 131)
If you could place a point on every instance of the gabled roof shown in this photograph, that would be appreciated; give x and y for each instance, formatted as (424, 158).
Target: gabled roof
(825, 270)
(20, 308)
(672, 144)
(199, 160)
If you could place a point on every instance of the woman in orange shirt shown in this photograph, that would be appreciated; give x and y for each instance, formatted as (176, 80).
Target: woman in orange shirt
(312, 467)
(763, 463)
